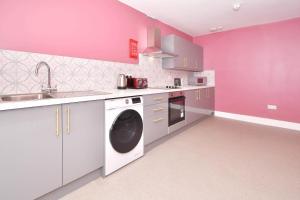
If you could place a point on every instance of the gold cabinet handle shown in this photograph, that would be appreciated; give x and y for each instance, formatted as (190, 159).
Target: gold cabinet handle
(57, 122)
(185, 61)
(157, 109)
(158, 98)
(68, 120)
(197, 94)
(158, 120)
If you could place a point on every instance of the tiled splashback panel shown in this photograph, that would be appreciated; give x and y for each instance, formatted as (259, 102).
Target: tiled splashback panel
(71, 74)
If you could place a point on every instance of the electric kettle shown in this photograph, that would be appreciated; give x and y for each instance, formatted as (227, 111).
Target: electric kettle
(122, 81)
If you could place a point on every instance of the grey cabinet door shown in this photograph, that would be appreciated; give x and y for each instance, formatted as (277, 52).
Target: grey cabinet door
(189, 55)
(155, 122)
(197, 58)
(155, 99)
(199, 103)
(189, 98)
(183, 49)
(30, 152)
(192, 108)
(207, 102)
(178, 46)
(210, 100)
(83, 139)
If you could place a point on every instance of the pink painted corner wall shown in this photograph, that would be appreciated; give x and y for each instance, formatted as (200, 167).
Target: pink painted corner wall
(79, 28)
(256, 66)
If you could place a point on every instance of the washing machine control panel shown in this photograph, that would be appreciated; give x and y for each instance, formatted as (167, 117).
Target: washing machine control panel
(136, 100)
(123, 102)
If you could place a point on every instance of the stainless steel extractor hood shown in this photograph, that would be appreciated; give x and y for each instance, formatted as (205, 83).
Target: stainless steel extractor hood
(154, 45)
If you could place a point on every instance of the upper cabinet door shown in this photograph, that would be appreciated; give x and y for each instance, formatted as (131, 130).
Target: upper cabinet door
(198, 57)
(30, 152)
(83, 139)
(189, 55)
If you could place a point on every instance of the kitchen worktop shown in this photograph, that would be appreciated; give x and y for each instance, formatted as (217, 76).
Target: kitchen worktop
(73, 97)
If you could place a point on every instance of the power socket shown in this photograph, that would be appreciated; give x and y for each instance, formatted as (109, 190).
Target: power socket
(272, 107)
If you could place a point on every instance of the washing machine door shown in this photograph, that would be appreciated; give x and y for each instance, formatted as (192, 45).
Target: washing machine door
(126, 131)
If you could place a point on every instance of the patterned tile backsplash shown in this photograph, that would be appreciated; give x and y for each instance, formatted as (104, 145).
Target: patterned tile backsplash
(74, 74)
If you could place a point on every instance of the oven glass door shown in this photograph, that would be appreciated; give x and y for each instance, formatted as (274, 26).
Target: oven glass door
(176, 110)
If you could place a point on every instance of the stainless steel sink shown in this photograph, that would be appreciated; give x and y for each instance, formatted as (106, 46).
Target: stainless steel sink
(25, 97)
(40, 96)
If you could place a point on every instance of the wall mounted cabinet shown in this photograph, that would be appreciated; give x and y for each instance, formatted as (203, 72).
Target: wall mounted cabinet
(189, 55)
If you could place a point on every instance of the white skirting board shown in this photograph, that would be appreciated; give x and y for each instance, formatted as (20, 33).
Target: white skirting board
(259, 120)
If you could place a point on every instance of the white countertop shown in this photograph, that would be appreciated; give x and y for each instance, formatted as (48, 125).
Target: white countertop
(115, 93)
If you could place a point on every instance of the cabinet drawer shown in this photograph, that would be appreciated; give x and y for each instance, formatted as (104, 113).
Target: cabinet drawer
(156, 109)
(155, 98)
(155, 127)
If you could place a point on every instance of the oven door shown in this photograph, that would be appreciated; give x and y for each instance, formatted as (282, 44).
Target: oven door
(176, 110)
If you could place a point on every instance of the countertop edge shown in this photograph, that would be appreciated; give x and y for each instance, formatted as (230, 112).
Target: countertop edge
(113, 94)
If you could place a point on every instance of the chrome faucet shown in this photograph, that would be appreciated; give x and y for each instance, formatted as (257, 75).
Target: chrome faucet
(49, 89)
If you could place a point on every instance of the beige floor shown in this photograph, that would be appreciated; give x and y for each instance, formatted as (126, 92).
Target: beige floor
(215, 159)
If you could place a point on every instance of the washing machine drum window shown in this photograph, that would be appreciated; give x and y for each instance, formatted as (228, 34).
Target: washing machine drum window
(126, 131)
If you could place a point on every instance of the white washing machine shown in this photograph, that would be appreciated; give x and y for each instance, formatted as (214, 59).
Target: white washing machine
(124, 140)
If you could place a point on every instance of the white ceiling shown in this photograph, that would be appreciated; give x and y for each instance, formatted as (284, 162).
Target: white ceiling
(197, 17)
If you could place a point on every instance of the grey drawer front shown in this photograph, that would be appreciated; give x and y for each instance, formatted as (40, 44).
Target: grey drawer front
(156, 109)
(155, 98)
(155, 127)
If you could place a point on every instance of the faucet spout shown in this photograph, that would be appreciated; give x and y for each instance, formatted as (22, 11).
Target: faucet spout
(38, 66)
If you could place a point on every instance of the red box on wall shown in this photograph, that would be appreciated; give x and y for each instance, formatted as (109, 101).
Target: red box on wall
(133, 49)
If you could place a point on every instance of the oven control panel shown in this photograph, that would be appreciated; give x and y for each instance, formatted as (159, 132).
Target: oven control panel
(176, 94)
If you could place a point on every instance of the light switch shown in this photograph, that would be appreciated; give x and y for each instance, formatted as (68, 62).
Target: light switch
(272, 107)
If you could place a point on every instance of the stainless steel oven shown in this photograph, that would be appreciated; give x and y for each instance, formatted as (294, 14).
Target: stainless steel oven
(176, 110)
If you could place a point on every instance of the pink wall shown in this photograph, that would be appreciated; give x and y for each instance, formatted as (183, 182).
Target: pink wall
(79, 28)
(256, 66)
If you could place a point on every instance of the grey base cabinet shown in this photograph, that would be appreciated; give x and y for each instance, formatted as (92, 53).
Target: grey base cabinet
(155, 125)
(44, 148)
(200, 103)
(30, 152)
(155, 117)
(83, 139)
(208, 97)
(193, 109)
